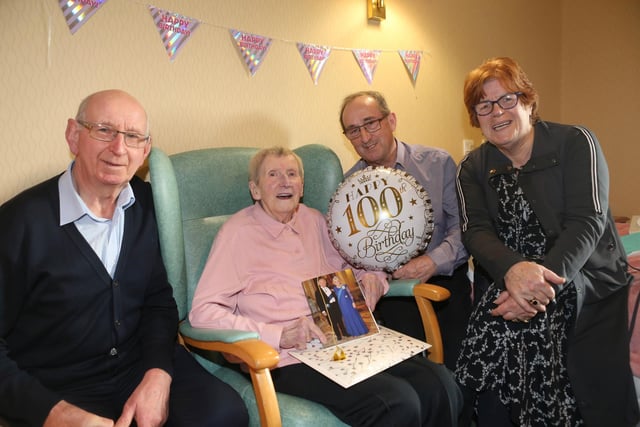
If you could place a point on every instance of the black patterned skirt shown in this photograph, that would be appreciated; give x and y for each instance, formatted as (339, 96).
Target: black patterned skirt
(525, 364)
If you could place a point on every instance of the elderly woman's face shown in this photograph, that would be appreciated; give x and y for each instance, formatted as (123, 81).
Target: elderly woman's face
(505, 128)
(279, 187)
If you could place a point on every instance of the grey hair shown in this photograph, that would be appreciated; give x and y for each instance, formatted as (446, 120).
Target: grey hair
(377, 96)
(278, 151)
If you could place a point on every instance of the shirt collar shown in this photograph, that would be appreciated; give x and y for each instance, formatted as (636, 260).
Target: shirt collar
(273, 227)
(402, 156)
(72, 207)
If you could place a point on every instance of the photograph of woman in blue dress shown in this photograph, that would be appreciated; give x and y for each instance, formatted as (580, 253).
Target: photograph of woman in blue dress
(352, 319)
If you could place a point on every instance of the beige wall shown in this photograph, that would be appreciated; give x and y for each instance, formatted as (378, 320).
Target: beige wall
(601, 87)
(207, 98)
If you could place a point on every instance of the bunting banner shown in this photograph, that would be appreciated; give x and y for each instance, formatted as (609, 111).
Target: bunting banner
(314, 58)
(174, 29)
(77, 12)
(368, 61)
(252, 48)
(411, 59)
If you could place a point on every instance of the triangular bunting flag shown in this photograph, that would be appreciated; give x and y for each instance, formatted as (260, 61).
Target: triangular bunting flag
(411, 59)
(368, 60)
(314, 58)
(174, 29)
(77, 12)
(252, 48)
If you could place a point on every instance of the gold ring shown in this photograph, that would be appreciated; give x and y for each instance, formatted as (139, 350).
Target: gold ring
(525, 320)
(533, 301)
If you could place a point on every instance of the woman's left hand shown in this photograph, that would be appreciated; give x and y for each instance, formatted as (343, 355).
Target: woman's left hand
(509, 309)
(372, 288)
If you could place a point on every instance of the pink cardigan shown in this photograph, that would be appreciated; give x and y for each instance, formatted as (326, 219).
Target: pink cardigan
(253, 277)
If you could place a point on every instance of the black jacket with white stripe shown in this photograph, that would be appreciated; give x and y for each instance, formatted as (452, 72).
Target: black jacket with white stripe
(566, 182)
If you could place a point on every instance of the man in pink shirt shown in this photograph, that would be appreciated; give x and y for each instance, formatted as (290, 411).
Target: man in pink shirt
(252, 281)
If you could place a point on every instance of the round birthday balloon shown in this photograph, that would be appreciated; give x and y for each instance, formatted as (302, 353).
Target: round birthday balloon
(380, 218)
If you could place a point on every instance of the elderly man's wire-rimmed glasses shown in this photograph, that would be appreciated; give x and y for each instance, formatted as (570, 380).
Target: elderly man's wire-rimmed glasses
(370, 126)
(107, 134)
(506, 102)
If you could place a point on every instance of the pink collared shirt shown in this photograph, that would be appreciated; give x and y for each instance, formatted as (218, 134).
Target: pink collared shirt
(253, 277)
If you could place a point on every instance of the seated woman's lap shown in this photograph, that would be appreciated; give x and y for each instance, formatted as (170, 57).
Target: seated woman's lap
(410, 393)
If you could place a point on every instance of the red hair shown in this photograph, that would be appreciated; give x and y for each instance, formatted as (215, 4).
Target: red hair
(512, 77)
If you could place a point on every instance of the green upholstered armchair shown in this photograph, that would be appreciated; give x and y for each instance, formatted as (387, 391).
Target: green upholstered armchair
(194, 193)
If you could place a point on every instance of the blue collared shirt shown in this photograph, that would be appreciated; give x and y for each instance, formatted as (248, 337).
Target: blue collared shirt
(435, 170)
(103, 234)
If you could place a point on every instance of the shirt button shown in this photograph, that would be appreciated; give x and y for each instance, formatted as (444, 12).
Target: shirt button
(116, 284)
(113, 352)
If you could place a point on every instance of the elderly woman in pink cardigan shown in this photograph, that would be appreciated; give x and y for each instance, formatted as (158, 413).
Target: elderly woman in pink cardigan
(253, 281)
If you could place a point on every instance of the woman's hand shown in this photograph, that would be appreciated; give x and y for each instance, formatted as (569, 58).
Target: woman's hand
(299, 333)
(509, 309)
(529, 284)
(528, 291)
(372, 288)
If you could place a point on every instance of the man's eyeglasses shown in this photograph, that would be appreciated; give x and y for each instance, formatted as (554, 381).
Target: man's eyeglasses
(370, 126)
(506, 102)
(107, 134)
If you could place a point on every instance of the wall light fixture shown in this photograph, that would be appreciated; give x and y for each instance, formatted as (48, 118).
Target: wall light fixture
(376, 10)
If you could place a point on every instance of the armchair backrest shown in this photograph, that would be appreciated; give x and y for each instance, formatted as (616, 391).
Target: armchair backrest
(196, 191)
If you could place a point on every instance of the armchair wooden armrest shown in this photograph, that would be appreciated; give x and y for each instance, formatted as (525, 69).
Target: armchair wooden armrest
(258, 356)
(424, 293)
